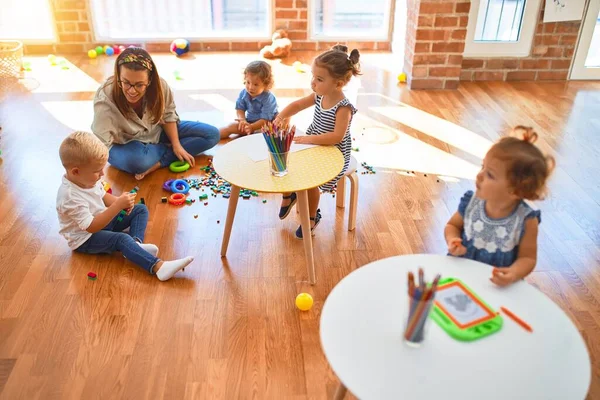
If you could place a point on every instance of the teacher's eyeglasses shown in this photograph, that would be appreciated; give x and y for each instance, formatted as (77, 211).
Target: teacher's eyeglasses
(139, 87)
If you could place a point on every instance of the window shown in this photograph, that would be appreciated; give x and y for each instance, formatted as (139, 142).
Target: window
(350, 19)
(27, 20)
(501, 28)
(166, 20)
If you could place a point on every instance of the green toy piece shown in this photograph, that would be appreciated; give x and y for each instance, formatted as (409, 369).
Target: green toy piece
(124, 212)
(179, 166)
(462, 313)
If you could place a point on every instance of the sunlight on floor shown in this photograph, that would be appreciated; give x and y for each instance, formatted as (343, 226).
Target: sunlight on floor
(63, 77)
(77, 115)
(222, 71)
(405, 152)
(435, 127)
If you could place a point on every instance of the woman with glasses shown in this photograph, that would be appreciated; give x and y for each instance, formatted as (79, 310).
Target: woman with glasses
(135, 117)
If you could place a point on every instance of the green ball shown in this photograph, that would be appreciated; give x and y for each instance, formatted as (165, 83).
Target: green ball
(99, 50)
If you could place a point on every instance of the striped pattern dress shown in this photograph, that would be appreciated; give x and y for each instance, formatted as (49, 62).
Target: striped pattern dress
(324, 122)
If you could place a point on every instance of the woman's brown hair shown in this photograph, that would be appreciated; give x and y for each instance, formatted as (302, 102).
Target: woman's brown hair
(339, 64)
(528, 169)
(138, 59)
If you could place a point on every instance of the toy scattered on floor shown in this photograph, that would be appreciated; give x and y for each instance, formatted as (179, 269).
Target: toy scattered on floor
(52, 59)
(188, 201)
(118, 49)
(369, 169)
(180, 46)
(218, 222)
(177, 199)
(264, 201)
(99, 50)
(26, 66)
(179, 166)
(195, 216)
(177, 75)
(299, 67)
(92, 276)
(124, 212)
(356, 149)
(179, 186)
(63, 63)
(109, 51)
(142, 201)
(163, 199)
(304, 301)
(279, 48)
(92, 53)
(402, 78)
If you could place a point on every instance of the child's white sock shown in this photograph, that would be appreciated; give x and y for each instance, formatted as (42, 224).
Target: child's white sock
(170, 268)
(150, 248)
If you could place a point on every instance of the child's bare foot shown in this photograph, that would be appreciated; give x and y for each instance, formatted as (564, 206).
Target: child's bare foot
(153, 168)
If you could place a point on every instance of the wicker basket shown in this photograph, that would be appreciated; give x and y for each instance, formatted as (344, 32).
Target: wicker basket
(11, 59)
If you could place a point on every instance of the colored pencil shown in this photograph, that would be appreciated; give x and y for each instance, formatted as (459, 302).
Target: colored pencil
(518, 320)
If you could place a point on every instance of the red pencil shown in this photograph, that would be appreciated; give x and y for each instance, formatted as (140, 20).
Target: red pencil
(517, 319)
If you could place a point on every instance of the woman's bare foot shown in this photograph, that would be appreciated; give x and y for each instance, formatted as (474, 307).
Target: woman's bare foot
(153, 168)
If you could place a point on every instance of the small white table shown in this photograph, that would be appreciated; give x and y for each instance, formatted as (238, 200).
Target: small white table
(361, 334)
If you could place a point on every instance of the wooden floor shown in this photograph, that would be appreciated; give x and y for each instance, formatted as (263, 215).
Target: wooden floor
(228, 328)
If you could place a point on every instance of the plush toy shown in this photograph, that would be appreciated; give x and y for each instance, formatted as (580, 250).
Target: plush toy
(280, 47)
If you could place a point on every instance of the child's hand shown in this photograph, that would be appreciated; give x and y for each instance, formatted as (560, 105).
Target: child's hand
(248, 129)
(278, 121)
(302, 140)
(126, 201)
(242, 125)
(503, 276)
(456, 248)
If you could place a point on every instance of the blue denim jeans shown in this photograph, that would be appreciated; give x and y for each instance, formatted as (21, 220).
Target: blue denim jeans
(112, 238)
(136, 157)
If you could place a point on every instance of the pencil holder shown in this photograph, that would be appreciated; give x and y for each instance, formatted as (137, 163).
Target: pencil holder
(417, 321)
(279, 163)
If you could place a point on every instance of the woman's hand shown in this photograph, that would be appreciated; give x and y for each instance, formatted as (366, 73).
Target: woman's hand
(183, 155)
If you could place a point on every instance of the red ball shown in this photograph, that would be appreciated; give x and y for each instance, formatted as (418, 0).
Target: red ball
(91, 275)
(117, 50)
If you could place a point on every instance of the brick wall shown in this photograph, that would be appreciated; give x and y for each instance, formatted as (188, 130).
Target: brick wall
(75, 32)
(550, 57)
(435, 41)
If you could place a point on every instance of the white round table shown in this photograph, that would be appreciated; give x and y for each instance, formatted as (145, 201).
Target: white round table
(362, 324)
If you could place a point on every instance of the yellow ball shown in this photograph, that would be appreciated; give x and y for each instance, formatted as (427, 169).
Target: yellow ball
(402, 77)
(180, 43)
(92, 53)
(304, 301)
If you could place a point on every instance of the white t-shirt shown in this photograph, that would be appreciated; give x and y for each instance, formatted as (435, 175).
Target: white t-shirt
(76, 209)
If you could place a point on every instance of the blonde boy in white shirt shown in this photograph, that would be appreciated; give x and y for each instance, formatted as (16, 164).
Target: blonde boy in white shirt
(88, 215)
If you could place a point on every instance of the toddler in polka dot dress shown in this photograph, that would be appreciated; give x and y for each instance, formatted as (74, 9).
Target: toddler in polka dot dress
(495, 225)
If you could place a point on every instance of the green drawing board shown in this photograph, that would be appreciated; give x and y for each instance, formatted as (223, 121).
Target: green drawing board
(463, 314)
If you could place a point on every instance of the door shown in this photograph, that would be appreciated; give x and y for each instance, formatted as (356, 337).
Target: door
(586, 64)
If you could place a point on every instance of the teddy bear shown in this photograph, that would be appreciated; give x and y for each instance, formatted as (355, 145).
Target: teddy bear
(280, 47)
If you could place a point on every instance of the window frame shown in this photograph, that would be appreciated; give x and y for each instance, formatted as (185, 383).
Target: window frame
(520, 48)
(313, 36)
(53, 40)
(215, 39)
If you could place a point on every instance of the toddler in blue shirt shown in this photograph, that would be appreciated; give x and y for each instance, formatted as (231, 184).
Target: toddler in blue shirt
(256, 105)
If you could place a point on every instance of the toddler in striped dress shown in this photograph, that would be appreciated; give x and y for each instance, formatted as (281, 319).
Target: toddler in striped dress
(331, 71)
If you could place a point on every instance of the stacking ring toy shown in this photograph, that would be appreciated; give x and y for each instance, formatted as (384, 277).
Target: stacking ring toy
(180, 183)
(167, 184)
(179, 166)
(177, 199)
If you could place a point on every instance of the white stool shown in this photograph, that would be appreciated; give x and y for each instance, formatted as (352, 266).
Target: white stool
(341, 192)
